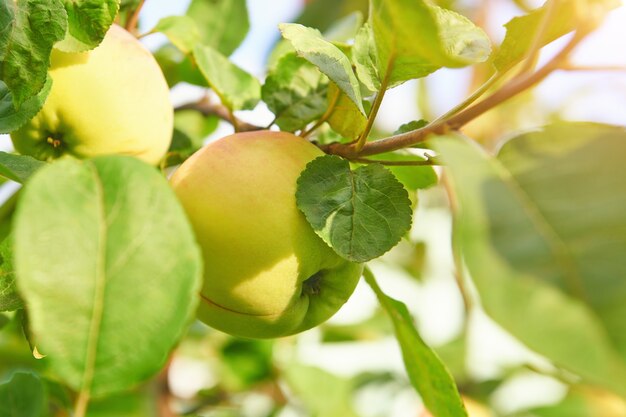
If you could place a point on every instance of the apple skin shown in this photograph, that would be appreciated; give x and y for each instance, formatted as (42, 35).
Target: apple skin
(111, 100)
(259, 250)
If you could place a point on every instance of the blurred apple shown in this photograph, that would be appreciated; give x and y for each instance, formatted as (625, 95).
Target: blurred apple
(111, 100)
(267, 274)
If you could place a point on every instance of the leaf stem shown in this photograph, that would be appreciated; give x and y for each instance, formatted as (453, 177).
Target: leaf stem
(207, 108)
(375, 106)
(133, 20)
(530, 59)
(325, 116)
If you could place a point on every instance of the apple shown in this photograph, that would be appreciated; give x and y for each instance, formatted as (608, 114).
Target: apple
(267, 274)
(111, 100)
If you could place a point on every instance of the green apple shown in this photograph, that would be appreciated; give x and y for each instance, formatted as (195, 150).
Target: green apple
(267, 274)
(111, 100)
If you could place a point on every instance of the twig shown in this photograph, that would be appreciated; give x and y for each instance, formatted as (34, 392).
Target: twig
(509, 90)
(131, 24)
(207, 108)
(430, 161)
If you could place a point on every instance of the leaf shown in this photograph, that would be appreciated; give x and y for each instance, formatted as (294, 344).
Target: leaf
(87, 23)
(295, 91)
(178, 67)
(322, 393)
(181, 31)
(311, 46)
(542, 230)
(361, 214)
(223, 24)
(345, 119)
(28, 29)
(9, 298)
(584, 401)
(18, 167)
(23, 395)
(118, 256)
(427, 373)
(365, 59)
(412, 125)
(12, 119)
(237, 89)
(566, 17)
(415, 38)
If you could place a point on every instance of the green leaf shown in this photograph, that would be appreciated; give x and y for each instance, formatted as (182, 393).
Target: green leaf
(322, 393)
(361, 214)
(415, 38)
(136, 403)
(427, 373)
(190, 130)
(23, 395)
(87, 23)
(237, 89)
(311, 46)
(177, 67)
(4, 320)
(118, 256)
(18, 167)
(413, 177)
(365, 59)
(412, 125)
(12, 119)
(29, 28)
(223, 24)
(542, 231)
(295, 91)
(9, 298)
(566, 17)
(345, 119)
(181, 31)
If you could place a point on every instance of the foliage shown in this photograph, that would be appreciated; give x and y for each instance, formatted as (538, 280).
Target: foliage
(100, 271)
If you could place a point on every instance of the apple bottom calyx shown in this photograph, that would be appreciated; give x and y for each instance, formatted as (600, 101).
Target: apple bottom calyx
(319, 298)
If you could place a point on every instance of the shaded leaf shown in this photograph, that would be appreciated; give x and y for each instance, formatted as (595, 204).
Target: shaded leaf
(177, 67)
(28, 29)
(18, 167)
(361, 214)
(542, 230)
(12, 119)
(413, 177)
(87, 23)
(311, 46)
(427, 373)
(345, 119)
(9, 298)
(23, 395)
(223, 24)
(118, 246)
(412, 125)
(295, 91)
(237, 89)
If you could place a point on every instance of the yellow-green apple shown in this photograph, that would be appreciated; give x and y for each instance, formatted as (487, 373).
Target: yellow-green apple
(267, 274)
(111, 100)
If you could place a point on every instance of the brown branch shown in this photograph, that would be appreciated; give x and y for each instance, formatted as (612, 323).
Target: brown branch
(509, 90)
(163, 393)
(133, 20)
(426, 162)
(208, 108)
